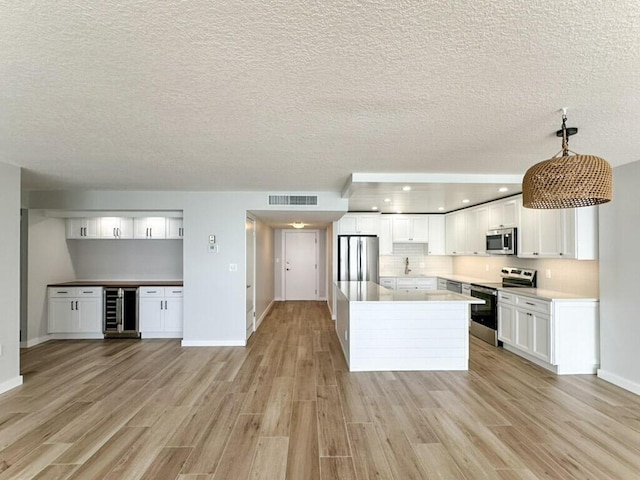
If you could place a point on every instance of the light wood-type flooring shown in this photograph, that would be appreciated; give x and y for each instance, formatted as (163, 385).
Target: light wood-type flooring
(286, 407)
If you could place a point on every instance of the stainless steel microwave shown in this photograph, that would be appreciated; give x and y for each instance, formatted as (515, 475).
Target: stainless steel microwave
(501, 241)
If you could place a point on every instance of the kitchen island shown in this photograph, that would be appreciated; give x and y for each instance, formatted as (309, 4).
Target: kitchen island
(382, 329)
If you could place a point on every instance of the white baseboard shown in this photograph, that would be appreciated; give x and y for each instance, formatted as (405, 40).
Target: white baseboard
(621, 382)
(10, 384)
(149, 335)
(35, 341)
(264, 314)
(214, 343)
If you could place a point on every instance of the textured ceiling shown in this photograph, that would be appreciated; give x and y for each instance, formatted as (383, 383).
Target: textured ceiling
(285, 95)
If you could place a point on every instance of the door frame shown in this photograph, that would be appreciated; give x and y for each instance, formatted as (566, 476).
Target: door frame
(283, 264)
(252, 219)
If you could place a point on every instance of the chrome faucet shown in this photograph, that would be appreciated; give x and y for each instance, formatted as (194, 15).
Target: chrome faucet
(406, 266)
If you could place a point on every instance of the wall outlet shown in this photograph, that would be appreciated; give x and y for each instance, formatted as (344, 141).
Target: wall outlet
(547, 273)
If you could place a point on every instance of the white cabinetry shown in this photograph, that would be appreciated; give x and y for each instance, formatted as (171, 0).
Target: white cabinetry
(442, 283)
(151, 228)
(455, 233)
(75, 312)
(560, 335)
(388, 282)
(160, 310)
(475, 230)
(174, 228)
(416, 283)
(359, 224)
(559, 233)
(504, 213)
(385, 242)
(116, 227)
(437, 241)
(84, 228)
(410, 228)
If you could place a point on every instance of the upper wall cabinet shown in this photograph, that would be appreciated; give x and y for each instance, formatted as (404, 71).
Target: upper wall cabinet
(559, 233)
(174, 228)
(359, 224)
(151, 228)
(385, 246)
(116, 227)
(437, 235)
(410, 228)
(504, 213)
(85, 228)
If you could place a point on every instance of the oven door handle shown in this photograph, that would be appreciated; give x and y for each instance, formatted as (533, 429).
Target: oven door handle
(488, 291)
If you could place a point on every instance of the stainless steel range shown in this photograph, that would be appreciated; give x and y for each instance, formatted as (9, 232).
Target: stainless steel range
(484, 318)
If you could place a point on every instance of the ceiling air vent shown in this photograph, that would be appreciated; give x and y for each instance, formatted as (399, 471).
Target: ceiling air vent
(293, 200)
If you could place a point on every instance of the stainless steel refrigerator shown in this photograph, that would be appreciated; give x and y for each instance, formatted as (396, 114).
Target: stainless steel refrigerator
(358, 258)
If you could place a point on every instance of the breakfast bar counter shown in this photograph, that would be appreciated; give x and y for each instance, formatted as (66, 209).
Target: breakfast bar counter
(381, 329)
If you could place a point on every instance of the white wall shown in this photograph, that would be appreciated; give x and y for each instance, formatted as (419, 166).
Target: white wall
(126, 259)
(10, 277)
(214, 298)
(48, 262)
(620, 284)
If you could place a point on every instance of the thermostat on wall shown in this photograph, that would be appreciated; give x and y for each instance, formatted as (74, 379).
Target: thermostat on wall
(212, 239)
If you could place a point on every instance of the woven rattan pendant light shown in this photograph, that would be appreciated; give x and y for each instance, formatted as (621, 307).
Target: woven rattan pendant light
(567, 181)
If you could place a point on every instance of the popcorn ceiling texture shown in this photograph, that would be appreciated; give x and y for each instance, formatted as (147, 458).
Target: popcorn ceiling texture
(289, 95)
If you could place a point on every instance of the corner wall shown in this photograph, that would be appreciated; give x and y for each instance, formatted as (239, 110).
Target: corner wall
(619, 266)
(10, 200)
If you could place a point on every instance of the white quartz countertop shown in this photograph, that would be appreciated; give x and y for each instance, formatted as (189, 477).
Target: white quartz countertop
(372, 292)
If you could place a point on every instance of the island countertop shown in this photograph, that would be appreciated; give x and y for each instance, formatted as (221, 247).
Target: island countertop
(372, 292)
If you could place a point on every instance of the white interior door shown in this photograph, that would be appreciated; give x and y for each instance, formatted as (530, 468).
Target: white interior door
(251, 274)
(300, 265)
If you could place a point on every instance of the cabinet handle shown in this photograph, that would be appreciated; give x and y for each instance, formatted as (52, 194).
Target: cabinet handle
(152, 291)
(151, 232)
(165, 305)
(71, 304)
(529, 303)
(114, 232)
(530, 314)
(161, 307)
(76, 305)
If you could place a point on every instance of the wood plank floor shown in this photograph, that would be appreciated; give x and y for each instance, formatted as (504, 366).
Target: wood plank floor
(286, 407)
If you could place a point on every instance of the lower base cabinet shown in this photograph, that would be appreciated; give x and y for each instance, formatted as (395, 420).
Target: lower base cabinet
(75, 312)
(160, 312)
(559, 335)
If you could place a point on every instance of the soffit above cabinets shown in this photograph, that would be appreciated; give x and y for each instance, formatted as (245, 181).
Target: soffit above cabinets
(428, 193)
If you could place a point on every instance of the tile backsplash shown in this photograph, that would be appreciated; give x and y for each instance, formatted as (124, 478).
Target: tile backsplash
(419, 262)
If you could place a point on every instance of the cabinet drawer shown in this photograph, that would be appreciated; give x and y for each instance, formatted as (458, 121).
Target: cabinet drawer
(405, 283)
(388, 283)
(62, 292)
(508, 298)
(89, 292)
(151, 292)
(534, 304)
(173, 291)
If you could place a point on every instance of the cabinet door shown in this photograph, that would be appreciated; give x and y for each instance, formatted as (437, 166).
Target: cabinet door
(174, 228)
(419, 229)
(348, 225)
(89, 315)
(477, 226)
(368, 224)
(541, 336)
(528, 233)
(152, 228)
(109, 227)
(173, 315)
(523, 332)
(385, 244)
(62, 315)
(454, 231)
(550, 237)
(506, 327)
(401, 229)
(151, 311)
(83, 228)
(437, 239)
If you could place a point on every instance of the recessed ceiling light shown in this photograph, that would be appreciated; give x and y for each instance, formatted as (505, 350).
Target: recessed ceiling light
(503, 189)
(440, 209)
(387, 200)
(466, 200)
(374, 208)
(406, 188)
(297, 225)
